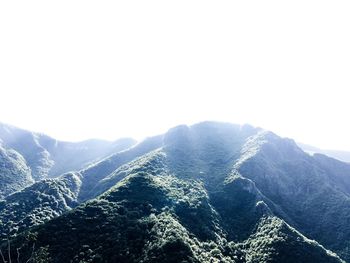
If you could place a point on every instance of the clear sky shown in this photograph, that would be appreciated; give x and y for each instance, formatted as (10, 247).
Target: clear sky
(106, 69)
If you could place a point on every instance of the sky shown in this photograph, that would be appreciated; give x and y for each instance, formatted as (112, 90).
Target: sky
(108, 69)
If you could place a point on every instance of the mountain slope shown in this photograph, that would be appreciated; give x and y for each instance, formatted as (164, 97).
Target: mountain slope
(309, 194)
(93, 174)
(145, 219)
(212, 192)
(38, 203)
(14, 172)
(49, 198)
(275, 241)
(48, 157)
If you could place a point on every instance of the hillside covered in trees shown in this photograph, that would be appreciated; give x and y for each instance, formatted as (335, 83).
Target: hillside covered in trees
(48, 157)
(211, 192)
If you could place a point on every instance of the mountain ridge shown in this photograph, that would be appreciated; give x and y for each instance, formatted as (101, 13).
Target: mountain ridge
(343, 156)
(46, 157)
(215, 192)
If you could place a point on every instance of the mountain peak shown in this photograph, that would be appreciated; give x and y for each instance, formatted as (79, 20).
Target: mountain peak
(211, 192)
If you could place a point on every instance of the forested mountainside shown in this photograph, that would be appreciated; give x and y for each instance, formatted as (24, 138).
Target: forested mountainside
(51, 197)
(46, 157)
(211, 192)
(14, 172)
(38, 203)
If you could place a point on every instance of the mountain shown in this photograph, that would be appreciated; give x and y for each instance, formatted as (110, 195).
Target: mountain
(38, 203)
(14, 172)
(52, 197)
(211, 192)
(340, 155)
(48, 157)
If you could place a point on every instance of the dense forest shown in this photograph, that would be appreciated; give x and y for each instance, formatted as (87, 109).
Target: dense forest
(211, 192)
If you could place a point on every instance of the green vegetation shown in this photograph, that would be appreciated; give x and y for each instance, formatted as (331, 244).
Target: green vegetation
(275, 241)
(47, 157)
(37, 204)
(14, 172)
(311, 191)
(93, 174)
(206, 193)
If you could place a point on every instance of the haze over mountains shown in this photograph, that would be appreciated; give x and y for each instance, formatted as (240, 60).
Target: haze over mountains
(210, 192)
(39, 156)
(340, 155)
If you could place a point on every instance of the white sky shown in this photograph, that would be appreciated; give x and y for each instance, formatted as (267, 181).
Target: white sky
(106, 69)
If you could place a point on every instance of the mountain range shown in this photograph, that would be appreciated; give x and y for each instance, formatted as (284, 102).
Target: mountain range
(340, 155)
(210, 192)
(34, 156)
